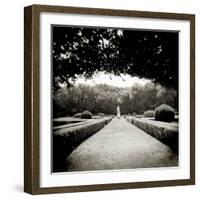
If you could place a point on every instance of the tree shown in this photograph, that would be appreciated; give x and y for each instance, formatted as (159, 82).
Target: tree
(104, 99)
(81, 52)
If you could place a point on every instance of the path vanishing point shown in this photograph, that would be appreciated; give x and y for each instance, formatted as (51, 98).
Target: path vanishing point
(120, 145)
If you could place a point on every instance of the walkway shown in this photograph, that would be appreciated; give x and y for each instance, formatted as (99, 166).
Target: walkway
(120, 145)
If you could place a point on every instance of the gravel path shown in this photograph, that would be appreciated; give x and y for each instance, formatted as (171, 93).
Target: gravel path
(120, 145)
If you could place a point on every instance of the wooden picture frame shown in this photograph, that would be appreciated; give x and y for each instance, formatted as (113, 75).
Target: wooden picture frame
(32, 106)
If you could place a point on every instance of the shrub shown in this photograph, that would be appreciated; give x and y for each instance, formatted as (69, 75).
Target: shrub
(138, 116)
(86, 115)
(101, 114)
(77, 115)
(164, 113)
(149, 113)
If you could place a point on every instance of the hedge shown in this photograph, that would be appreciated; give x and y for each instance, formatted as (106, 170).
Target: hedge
(165, 133)
(164, 113)
(101, 114)
(86, 115)
(149, 113)
(77, 115)
(67, 139)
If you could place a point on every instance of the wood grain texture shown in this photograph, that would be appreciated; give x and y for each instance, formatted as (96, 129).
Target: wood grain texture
(28, 162)
(31, 100)
(192, 98)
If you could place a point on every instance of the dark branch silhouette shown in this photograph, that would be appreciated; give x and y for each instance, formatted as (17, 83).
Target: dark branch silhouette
(79, 52)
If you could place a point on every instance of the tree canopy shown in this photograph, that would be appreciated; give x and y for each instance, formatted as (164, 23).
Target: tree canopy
(104, 99)
(82, 51)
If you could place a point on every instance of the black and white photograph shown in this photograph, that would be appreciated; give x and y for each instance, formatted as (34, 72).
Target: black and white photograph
(114, 98)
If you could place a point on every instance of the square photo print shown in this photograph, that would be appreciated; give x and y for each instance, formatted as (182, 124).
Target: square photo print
(114, 98)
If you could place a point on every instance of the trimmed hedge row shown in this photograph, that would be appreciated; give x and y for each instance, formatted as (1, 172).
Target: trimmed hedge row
(149, 113)
(166, 134)
(77, 115)
(101, 114)
(67, 139)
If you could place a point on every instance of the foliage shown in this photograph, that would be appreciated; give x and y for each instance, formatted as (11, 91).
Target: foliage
(77, 115)
(103, 99)
(101, 114)
(86, 115)
(81, 52)
(149, 113)
(139, 116)
(164, 113)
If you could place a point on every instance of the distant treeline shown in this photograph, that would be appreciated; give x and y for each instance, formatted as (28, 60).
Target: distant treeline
(104, 99)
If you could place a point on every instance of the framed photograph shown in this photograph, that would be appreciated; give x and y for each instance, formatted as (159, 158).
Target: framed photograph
(109, 99)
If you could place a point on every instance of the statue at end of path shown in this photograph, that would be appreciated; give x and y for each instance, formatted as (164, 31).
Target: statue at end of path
(118, 112)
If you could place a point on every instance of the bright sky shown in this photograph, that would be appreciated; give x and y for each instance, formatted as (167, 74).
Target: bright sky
(110, 79)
